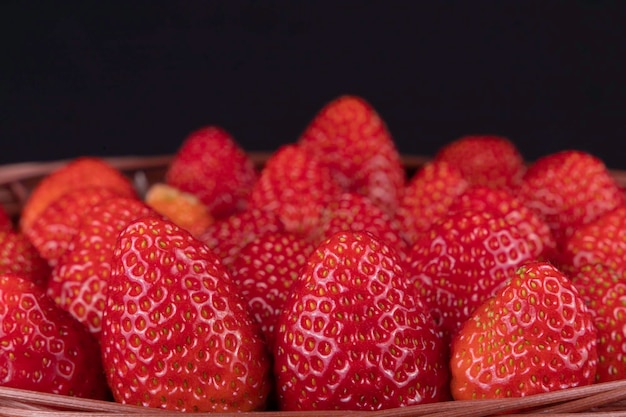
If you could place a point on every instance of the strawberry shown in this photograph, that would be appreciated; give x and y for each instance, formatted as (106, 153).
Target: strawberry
(176, 334)
(265, 270)
(461, 261)
(19, 256)
(600, 241)
(537, 233)
(6, 223)
(53, 230)
(211, 165)
(427, 197)
(604, 292)
(43, 348)
(79, 281)
(534, 335)
(296, 186)
(353, 335)
(352, 211)
(78, 173)
(488, 160)
(569, 189)
(228, 235)
(349, 136)
(184, 209)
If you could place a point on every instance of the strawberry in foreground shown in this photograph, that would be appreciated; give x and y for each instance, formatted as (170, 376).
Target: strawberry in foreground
(604, 291)
(353, 336)
(176, 334)
(535, 335)
(42, 347)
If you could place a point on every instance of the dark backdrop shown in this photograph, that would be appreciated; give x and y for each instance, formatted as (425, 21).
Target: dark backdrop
(116, 77)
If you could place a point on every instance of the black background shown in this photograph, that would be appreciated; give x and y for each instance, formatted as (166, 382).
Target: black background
(119, 78)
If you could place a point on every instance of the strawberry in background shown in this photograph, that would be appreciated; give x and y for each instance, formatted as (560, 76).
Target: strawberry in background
(487, 160)
(176, 333)
(534, 335)
(353, 335)
(5, 220)
(350, 138)
(19, 256)
(211, 165)
(569, 189)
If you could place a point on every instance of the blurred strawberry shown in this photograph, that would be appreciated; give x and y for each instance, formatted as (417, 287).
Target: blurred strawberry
(79, 280)
(488, 160)
(176, 334)
(569, 189)
(462, 260)
(296, 186)
(53, 230)
(19, 256)
(604, 291)
(184, 209)
(78, 173)
(535, 335)
(211, 165)
(265, 270)
(427, 197)
(6, 223)
(227, 236)
(348, 136)
(43, 348)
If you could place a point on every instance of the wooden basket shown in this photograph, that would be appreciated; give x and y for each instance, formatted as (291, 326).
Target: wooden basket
(17, 180)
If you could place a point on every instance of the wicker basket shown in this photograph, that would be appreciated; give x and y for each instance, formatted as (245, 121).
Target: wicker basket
(16, 182)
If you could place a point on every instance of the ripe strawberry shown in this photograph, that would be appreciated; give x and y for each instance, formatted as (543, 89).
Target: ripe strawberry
(535, 335)
(211, 165)
(79, 281)
(355, 212)
(427, 197)
(53, 230)
(348, 136)
(184, 209)
(43, 348)
(353, 336)
(569, 189)
(176, 334)
(461, 261)
(227, 236)
(78, 173)
(604, 292)
(488, 160)
(19, 256)
(541, 243)
(600, 241)
(6, 223)
(295, 186)
(265, 270)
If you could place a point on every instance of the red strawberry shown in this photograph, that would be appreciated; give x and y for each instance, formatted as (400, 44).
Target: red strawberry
(355, 212)
(349, 137)
(227, 236)
(53, 230)
(427, 197)
(535, 335)
(600, 241)
(353, 336)
(462, 260)
(43, 348)
(6, 223)
(19, 256)
(265, 270)
(604, 292)
(176, 334)
(79, 281)
(488, 160)
(569, 189)
(295, 186)
(211, 165)
(537, 233)
(77, 173)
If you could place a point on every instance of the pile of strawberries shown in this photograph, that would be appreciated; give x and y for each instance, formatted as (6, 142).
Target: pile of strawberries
(329, 278)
